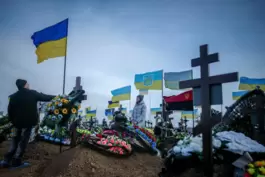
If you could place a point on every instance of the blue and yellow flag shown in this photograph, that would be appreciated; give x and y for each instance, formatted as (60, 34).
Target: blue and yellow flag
(108, 112)
(154, 110)
(88, 109)
(124, 110)
(172, 79)
(113, 104)
(149, 81)
(51, 42)
(91, 113)
(121, 94)
(189, 114)
(143, 92)
(237, 95)
(246, 83)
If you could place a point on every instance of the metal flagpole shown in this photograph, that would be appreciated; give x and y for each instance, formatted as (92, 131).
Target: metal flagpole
(65, 57)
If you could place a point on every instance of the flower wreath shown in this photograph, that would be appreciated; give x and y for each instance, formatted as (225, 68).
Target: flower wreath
(256, 169)
(147, 136)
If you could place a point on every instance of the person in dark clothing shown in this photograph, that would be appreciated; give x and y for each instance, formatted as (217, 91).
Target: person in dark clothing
(23, 114)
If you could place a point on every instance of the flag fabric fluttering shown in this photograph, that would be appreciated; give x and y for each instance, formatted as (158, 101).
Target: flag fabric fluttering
(109, 113)
(113, 104)
(91, 113)
(149, 80)
(51, 42)
(189, 114)
(183, 101)
(87, 109)
(155, 110)
(172, 79)
(238, 94)
(121, 94)
(143, 92)
(246, 83)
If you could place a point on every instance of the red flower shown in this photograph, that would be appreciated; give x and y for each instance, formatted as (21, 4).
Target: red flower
(247, 175)
(99, 135)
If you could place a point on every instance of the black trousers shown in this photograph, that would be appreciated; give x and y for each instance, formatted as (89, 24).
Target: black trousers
(19, 144)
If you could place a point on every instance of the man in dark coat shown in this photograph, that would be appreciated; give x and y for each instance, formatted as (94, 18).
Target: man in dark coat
(23, 113)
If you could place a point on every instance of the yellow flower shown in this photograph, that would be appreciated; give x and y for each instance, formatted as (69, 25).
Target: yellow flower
(251, 171)
(250, 165)
(56, 111)
(64, 111)
(258, 163)
(73, 110)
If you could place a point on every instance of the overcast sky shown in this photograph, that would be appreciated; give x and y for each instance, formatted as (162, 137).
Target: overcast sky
(110, 41)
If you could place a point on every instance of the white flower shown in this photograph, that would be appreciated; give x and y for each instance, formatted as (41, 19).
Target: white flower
(216, 143)
(176, 149)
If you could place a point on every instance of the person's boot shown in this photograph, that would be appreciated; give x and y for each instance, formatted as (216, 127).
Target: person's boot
(4, 164)
(16, 162)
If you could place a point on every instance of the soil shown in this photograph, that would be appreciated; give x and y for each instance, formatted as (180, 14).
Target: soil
(46, 160)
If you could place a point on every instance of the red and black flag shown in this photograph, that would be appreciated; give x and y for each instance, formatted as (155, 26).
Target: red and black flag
(183, 101)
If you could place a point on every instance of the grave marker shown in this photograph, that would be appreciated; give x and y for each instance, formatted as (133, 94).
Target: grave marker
(205, 83)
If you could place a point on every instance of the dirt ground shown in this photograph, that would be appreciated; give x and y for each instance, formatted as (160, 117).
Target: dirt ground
(46, 161)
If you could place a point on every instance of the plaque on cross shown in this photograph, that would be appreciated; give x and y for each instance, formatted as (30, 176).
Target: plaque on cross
(205, 83)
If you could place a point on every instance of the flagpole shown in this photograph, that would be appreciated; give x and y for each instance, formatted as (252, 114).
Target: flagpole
(150, 115)
(65, 57)
(162, 92)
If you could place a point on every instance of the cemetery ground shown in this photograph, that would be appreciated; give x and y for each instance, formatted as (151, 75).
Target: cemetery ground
(46, 161)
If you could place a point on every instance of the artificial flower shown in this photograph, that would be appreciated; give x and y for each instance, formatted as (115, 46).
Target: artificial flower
(65, 111)
(251, 171)
(56, 111)
(73, 110)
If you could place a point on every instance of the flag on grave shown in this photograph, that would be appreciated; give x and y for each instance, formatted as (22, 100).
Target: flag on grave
(172, 79)
(149, 80)
(113, 104)
(246, 83)
(189, 114)
(238, 94)
(121, 94)
(51, 42)
(183, 101)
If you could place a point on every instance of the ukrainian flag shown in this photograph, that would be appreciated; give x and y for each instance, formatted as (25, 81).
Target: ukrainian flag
(150, 80)
(246, 83)
(91, 113)
(237, 95)
(113, 104)
(88, 109)
(189, 114)
(51, 42)
(124, 110)
(120, 94)
(154, 110)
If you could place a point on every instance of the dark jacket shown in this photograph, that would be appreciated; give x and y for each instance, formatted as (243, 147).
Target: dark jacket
(22, 107)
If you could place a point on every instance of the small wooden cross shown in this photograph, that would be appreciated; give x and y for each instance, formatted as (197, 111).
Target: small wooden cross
(205, 82)
(79, 87)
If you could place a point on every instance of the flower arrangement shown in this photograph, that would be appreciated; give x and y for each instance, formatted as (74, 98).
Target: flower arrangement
(256, 169)
(50, 135)
(59, 108)
(83, 131)
(147, 136)
(115, 145)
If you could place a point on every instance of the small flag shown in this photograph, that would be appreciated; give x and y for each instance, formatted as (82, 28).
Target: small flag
(91, 113)
(246, 83)
(51, 42)
(155, 110)
(108, 112)
(143, 92)
(114, 104)
(88, 109)
(121, 94)
(149, 80)
(237, 95)
(189, 114)
(183, 101)
(172, 79)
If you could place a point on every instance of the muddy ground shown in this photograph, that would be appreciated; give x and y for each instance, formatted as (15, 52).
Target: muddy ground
(46, 161)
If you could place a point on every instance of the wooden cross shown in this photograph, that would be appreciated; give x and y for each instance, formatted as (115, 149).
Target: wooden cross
(79, 87)
(205, 83)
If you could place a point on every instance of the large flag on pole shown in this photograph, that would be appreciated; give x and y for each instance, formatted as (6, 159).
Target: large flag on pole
(172, 79)
(91, 113)
(149, 81)
(237, 95)
(246, 83)
(51, 42)
(121, 94)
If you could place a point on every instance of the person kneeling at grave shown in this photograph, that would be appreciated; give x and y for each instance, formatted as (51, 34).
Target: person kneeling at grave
(23, 114)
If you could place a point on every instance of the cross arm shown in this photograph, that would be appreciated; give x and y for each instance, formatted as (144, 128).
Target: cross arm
(190, 83)
(212, 58)
(224, 78)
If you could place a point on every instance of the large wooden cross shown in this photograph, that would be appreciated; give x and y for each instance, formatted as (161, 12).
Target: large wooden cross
(205, 83)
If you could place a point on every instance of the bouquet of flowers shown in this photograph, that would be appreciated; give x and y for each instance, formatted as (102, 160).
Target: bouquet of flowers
(147, 137)
(115, 145)
(52, 136)
(60, 108)
(256, 169)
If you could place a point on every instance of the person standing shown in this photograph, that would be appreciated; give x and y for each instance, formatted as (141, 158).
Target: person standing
(23, 114)
(139, 111)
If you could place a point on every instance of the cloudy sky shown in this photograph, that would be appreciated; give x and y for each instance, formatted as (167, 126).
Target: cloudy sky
(112, 40)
